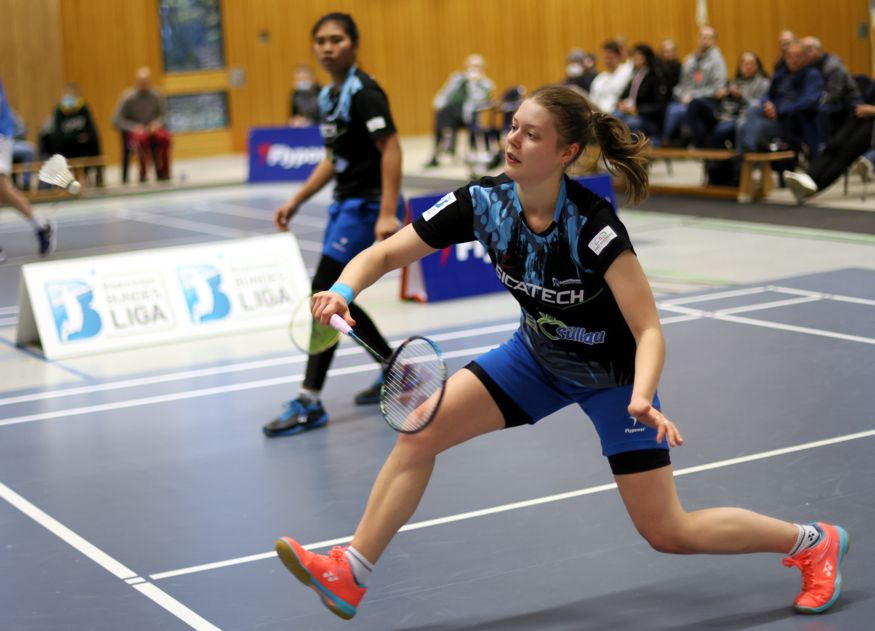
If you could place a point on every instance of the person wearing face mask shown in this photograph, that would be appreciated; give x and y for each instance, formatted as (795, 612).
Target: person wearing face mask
(457, 103)
(73, 132)
(579, 70)
(304, 101)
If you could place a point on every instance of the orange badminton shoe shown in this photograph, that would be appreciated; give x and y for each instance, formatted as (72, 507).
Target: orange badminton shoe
(821, 567)
(329, 576)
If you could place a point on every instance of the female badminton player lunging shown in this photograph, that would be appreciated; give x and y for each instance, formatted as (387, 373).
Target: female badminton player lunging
(593, 338)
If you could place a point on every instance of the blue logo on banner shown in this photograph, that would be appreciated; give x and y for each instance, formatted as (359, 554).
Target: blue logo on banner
(202, 287)
(71, 309)
(280, 154)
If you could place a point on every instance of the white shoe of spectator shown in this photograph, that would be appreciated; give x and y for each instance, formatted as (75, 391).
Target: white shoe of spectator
(800, 184)
(863, 168)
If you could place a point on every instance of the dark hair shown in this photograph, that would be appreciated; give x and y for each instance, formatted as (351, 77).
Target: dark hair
(576, 122)
(761, 71)
(649, 55)
(344, 19)
(612, 45)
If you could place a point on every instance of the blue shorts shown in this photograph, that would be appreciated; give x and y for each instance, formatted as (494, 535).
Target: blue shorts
(534, 392)
(350, 227)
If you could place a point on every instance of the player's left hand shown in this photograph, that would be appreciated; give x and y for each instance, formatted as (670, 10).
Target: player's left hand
(386, 226)
(648, 415)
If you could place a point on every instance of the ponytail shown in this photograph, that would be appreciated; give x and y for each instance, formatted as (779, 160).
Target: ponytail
(577, 122)
(623, 153)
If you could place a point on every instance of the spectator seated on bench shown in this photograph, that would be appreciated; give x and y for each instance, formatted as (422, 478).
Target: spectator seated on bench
(786, 117)
(73, 132)
(140, 116)
(457, 105)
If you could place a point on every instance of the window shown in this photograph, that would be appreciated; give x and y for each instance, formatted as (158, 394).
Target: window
(191, 35)
(198, 112)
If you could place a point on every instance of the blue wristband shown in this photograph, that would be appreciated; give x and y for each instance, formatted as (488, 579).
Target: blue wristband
(344, 290)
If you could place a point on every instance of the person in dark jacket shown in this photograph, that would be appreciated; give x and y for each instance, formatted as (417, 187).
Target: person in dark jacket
(840, 92)
(73, 132)
(642, 103)
(787, 113)
(852, 146)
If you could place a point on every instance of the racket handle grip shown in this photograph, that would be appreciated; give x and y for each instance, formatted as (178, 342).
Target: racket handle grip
(340, 324)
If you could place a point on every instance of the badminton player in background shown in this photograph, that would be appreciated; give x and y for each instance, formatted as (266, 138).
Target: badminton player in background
(10, 195)
(363, 156)
(589, 335)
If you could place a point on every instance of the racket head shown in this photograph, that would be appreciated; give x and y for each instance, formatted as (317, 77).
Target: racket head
(414, 383)
(309, 335)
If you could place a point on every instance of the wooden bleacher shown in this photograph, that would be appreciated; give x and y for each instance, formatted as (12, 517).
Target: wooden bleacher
(748, 189)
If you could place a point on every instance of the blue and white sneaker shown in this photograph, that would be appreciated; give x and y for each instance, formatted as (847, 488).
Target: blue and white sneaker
(299, 416)
(47, 236)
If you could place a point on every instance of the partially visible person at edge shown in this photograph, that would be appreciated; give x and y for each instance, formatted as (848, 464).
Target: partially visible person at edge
(537, 224)
(43, 229)
(363, 157)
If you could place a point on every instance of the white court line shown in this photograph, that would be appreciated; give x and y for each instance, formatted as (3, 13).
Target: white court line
(205, 392)
(8, 321)
(248, 212)
(524, 504)
(6, 310)
(687, 315)
(824, 296)
(718, 296)
(105, 561)
(239, 367)
(770, 305)
(187, 224)
(724, 315)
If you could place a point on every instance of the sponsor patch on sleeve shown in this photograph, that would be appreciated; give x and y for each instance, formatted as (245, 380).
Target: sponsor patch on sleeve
(602, 239)
(376, 123)
(443, 202)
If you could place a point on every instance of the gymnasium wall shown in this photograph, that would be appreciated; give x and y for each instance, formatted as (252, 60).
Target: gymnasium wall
(409, 45)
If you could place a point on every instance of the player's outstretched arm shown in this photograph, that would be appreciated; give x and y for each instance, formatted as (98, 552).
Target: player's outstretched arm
(402, 248)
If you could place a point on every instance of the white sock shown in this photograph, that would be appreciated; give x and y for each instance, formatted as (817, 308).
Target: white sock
(309, 396)
(807, 537)
(361, 567)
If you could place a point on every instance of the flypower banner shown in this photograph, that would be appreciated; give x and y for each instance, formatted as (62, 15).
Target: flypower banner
(96, 304)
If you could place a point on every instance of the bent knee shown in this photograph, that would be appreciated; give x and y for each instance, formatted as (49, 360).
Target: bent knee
(667, 541)
(418, 447)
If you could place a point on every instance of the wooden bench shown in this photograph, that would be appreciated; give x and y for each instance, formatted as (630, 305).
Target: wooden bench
(748, 189)
(77, 165)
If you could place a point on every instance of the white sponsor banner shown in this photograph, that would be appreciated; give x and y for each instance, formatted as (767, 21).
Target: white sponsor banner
(90, 305)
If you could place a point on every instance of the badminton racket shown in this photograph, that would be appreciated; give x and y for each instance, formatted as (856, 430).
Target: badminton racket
(414, 375)
(56, 171)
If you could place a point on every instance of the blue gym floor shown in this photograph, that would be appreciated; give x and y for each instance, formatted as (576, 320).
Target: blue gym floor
(148, 498)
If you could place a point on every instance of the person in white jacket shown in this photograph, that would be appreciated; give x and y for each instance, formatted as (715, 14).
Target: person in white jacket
(609, 84)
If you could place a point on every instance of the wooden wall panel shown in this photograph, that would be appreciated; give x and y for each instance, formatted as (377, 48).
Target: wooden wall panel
(409, 45)
(30, 58)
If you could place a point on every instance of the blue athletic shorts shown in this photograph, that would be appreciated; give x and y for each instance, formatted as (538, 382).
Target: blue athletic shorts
(534, 392)
(350, 227)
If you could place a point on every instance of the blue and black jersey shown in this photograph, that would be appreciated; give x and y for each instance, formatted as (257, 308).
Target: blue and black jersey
(570, 319)
(350, 120)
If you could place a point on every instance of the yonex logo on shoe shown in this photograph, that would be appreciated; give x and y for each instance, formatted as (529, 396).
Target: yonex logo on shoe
(827, 568)
(329, 576)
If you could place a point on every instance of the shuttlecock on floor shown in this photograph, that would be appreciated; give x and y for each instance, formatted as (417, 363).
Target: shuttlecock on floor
(56, 171)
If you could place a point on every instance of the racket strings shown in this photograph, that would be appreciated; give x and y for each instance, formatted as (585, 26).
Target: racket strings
(412, 382)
